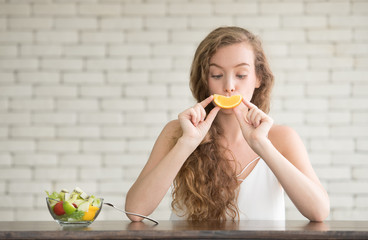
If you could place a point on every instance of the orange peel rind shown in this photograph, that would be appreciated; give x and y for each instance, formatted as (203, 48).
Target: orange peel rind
(227, 102)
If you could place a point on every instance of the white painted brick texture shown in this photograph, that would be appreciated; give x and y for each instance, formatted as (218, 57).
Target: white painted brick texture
(86, 87)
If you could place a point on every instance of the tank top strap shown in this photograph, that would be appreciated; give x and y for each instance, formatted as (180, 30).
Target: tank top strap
(248, 166)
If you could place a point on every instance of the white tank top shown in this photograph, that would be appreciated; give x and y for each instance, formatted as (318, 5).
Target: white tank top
(261, 196)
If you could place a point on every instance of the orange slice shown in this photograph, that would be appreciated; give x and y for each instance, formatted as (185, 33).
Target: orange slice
(227, 102)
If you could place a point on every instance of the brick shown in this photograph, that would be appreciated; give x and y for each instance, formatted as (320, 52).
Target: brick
(14, 118)
(276, 49)
(359, 117)
(80, 160)
(125, 159)
(311, 50)
(333, 90)
(166, 22)
(58, 146)
(56, 37)
(169, 77)
(360, 35)
(79, 132)
(19, 173)
(4, 105)
(342, 7)
(333, 145)
(331, 117)
(26, 187)
(16, 64)
(146, 9)
(5, 160)
(361, 201)
(306, 104)
(39, 77)
(123, 132)
(349, 75)
(62, 64)
(38, 159)
(210, 22)
(8, 50)
(359, 49)
(350, 187)
(152, 90)
(16, 91)
(330, 35)
(76, 23)
(289, 90)
(6, 77)
(31, 104)
(351, 131)
(314, 131)
(54, 9)
(333, 173)
(179, 91)
(55, 91)
(121, 23)
(32, 132)
(128, 77)
(362, 144)
(107, 64)
(178, 9)
(158, 63)
(359, 7)
(360, 173)
(17, 146)
(34, 23)
(56, 118)
(55, 173)
(341, 201)
(102, 37)
(16, 37)
(84, 77)
(281, 7)
(102, 91)
(105, 146)
(129, 50)
(147, 37)
(348, 21)
(334, 63)
(15, 9)
(99, 9)
(351, 103)
(235, 8)
(290, 63)
(284, 36)
(301, 21)
(187, 36)
(77, 104)
(101, 173)
(111, 186)
(168, 104)
(146, 118)
(101, 118)
(130, 104)
(173, 50)
(40, 50)
(85, 51)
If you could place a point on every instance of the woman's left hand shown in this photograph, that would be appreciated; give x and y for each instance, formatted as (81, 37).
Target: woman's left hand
(254, 123)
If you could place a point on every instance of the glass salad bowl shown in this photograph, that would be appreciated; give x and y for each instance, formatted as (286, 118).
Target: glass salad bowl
(74, 209)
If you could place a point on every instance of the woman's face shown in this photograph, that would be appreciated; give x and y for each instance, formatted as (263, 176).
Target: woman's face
(232, 71)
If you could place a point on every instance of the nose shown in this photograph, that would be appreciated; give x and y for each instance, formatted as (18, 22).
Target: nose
(229, 85)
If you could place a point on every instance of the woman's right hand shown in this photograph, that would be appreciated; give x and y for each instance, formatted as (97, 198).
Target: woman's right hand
(194, 122)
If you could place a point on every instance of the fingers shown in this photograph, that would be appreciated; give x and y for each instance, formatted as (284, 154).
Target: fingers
(207, 101)
(249, 104)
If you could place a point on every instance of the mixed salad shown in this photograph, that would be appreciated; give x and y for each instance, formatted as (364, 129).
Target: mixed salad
(74, 206)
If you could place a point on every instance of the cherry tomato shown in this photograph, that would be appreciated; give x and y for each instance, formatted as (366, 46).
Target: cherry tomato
(58, 209)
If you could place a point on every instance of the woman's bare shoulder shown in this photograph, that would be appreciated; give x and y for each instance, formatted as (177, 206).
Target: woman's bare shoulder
(171, 132)
(283, 137)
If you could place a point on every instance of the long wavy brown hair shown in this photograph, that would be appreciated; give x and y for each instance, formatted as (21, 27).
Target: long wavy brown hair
(206, 186)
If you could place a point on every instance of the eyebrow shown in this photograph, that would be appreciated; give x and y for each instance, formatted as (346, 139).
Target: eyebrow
(238, 65)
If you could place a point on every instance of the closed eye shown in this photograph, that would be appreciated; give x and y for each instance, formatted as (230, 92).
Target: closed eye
(241, 76)
(218, 76)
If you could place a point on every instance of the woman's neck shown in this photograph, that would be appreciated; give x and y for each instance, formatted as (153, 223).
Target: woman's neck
(231, 129)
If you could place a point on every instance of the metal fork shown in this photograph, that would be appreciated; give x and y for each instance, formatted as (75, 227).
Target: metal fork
(130, 213)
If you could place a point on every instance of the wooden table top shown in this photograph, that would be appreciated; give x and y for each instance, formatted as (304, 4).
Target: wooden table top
(188, 230)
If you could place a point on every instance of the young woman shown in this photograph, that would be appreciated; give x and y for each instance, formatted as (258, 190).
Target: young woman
(229, 163)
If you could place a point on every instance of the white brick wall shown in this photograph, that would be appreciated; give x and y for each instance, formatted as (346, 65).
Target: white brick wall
(86, 87)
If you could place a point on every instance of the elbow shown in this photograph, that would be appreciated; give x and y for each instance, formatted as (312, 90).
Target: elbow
(134, 218)
(320, 213)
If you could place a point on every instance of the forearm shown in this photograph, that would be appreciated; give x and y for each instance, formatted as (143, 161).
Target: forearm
(149, 189)
(308, 196)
